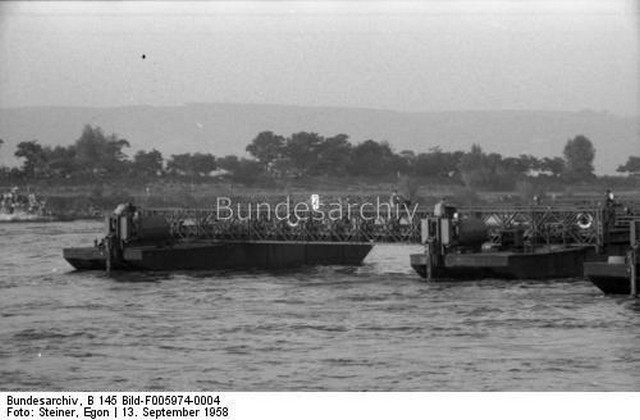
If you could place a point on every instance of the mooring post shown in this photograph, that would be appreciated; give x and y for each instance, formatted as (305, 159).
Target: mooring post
(109, 251)
(428, 251)
(632, 256)
(633, 270)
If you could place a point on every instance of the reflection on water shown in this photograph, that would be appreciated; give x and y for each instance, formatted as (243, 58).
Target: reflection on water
(373, 327)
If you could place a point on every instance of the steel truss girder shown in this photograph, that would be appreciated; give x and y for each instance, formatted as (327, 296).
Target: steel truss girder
(577, 225)
(367, 227)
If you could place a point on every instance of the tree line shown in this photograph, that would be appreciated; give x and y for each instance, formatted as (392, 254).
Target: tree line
(96, 156)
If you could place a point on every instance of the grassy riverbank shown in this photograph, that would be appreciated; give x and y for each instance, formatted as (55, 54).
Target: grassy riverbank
(80, 201)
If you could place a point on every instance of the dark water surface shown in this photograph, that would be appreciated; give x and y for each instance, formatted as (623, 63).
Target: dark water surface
(374, 327)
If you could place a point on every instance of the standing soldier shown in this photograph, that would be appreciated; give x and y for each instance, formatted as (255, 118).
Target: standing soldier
(609, 198)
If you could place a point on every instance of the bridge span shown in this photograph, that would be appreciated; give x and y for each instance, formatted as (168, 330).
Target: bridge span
(585, 224)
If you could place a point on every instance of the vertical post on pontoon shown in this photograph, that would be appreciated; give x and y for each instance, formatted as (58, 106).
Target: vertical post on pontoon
(428, 251)
(109, 251)
(633, 272)
(632, 256)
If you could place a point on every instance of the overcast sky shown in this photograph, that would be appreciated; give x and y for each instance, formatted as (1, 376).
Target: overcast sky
(410, 56)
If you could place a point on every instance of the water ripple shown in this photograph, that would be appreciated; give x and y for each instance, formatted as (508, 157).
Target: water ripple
(370, 328)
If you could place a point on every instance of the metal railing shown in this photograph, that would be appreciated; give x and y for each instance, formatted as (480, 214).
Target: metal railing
(360, 227)
(577, 225)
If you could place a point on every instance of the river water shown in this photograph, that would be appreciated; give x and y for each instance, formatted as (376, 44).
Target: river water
(375, 327)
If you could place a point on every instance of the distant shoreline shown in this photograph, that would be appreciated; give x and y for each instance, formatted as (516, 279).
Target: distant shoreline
(224, 129)
(74, 202)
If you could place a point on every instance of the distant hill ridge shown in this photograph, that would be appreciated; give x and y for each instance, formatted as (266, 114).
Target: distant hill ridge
(224, 129)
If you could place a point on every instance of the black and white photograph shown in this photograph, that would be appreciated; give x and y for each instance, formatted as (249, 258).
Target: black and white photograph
(318, 196)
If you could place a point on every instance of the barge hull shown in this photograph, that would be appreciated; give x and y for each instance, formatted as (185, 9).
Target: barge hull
(565, 263)
(612, 279)
(228, 255)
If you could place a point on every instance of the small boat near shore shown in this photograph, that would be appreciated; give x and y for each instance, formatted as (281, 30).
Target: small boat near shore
(18, 217)
(16, 206)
